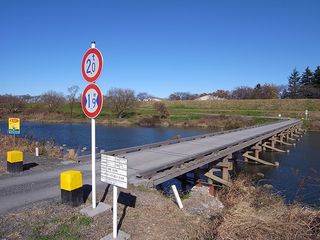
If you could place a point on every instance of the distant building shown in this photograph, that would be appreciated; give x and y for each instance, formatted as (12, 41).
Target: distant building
(208, 97)
(152, 99)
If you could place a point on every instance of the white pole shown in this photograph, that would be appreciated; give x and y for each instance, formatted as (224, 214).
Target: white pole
(93, 160)
(93, 153)
(115, 217)
(176, 194)
(37, 152)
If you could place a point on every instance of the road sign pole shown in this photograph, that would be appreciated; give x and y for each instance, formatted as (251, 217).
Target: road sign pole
(93, 153)
(93, 160)
(115, 217)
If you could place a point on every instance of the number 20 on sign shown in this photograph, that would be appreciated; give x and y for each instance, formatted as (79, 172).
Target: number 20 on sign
(91, 66)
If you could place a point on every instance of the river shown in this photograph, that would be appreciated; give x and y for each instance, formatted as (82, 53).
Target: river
(296, 179)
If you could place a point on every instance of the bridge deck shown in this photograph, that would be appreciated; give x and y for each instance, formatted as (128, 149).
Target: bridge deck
(150, 161)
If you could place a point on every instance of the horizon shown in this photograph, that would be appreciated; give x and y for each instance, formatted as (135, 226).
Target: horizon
(156, 47)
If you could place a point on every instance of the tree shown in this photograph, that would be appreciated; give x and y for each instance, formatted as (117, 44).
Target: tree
(294, 84)
(161, 109)
(257, 91)
(120, 101)
(269, 91)
(11, 104)
(306, 86)
(242, 93)
(316, 77)
(72, 97)
(143, 96)
(221, 94)
(181, 96)
(53, 100)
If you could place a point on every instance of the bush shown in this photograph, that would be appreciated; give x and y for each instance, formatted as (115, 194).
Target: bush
(161, 109)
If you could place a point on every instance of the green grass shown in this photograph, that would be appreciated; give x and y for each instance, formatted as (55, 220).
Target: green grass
(63, 231)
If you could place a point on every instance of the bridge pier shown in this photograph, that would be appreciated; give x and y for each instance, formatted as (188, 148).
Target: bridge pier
(257, 148)
(224, 166)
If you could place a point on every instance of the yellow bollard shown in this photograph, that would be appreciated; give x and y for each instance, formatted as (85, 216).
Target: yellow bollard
(14, 161)
(71, 188)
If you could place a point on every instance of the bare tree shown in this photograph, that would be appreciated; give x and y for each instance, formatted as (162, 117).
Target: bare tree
(242, 93)
(52, 100)
(72, 97)
(161, 109)
(181, 96)
(143, 96)
(120, 101)
(11, 104)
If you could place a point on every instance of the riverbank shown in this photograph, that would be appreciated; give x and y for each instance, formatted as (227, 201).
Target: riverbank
(216, 114)
(250, 213)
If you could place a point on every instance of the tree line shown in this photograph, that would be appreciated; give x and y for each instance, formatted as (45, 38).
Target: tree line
(305, 85)
(120, 101)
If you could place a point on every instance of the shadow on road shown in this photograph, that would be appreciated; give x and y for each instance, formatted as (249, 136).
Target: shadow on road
(86, 192)
(28, 166)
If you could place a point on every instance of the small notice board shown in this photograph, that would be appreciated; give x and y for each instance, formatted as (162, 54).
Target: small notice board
(14, 125)
(114, 170)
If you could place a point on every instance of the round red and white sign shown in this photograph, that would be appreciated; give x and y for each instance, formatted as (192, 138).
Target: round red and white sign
(91, 66)
(92, 101)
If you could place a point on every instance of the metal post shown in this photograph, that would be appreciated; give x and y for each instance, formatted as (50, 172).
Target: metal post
(115, 217)
(93, 153)
(93, 160)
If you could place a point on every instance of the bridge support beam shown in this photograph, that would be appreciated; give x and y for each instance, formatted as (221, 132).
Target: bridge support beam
(225, 166)
(247, 156)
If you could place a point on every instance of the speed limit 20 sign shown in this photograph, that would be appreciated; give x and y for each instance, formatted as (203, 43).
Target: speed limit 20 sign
(91, 66)
(92, 101)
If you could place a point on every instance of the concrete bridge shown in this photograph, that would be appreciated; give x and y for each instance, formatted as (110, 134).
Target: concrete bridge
(152, 164)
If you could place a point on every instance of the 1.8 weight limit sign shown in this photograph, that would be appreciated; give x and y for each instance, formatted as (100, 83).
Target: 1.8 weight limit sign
(91, 66)
(92, 101)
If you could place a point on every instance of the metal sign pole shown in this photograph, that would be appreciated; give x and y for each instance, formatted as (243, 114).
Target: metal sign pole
(93, 153)
(93, 160)
(115, 219)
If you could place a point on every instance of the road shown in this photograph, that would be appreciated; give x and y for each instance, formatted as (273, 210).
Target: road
(29, 187)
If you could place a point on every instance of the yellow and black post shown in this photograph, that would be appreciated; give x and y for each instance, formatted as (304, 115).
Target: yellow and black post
(71, 188)
(14, 161)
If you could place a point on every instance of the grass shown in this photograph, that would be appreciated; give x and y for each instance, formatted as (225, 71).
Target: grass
(255, 213)
(261, 111)
(47, 148)
(62, 231)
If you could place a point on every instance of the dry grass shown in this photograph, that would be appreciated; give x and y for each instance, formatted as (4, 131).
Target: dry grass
(257, 104)
(47, 148)
(254, 213)
(222, 122)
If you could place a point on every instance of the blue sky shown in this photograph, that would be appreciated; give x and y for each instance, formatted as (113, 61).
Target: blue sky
(156, 46)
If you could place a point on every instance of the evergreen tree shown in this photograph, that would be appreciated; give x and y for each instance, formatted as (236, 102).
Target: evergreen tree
(316, 78)
(306, 82)
(307, 77)
(294, 84)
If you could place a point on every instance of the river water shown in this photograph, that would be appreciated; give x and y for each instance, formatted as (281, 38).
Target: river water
(296, 179)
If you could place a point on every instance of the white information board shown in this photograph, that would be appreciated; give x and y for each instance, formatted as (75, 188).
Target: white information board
(114, 170)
